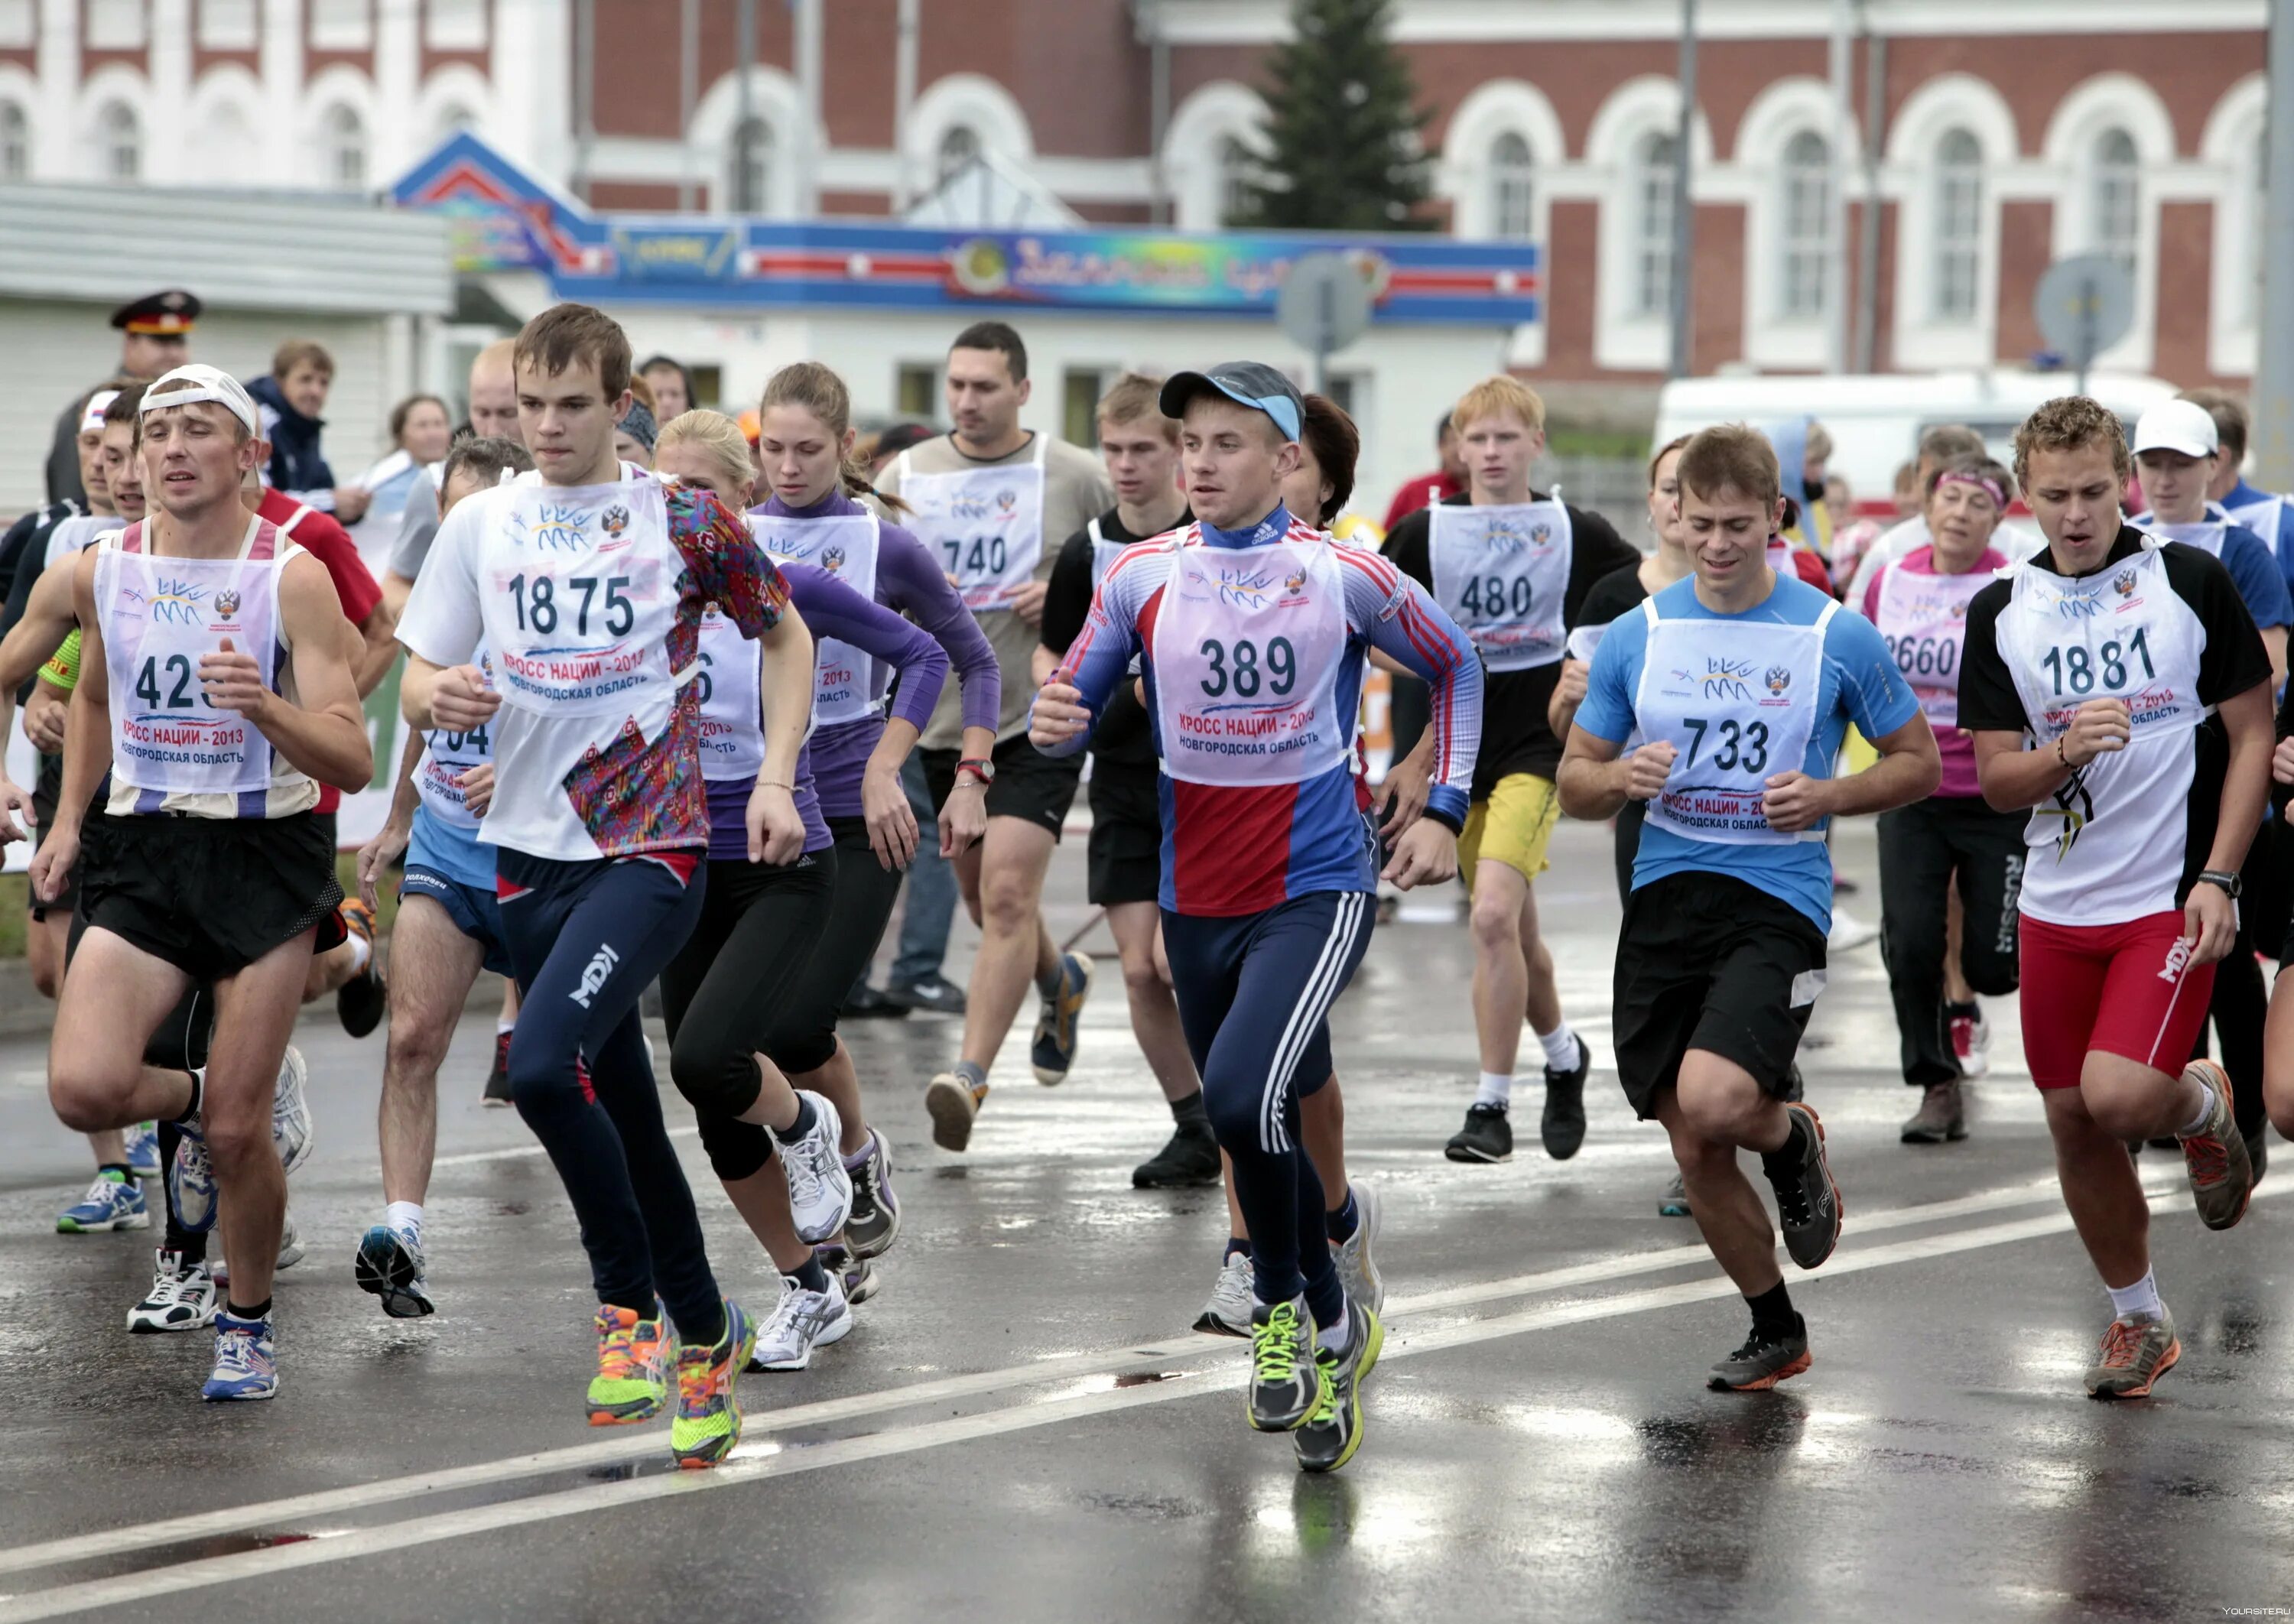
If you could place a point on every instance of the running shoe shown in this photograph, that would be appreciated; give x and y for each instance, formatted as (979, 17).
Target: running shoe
(876, 1221)
(1287, 1382)
(1333, 1431)
(820, 1191)
(2222, 1179)
(290, 1111)
(634, 1357)
(2133, 1355)
(932, 995)
(1486, 1137)
(290, 1242)
(708, 1422)
(1357, 1269)
(1674, 1202)
(390, 1266)
(952, 1105)
(1228, 1312)
(859, 1274)
(360, 1002)
(2258, 1151)
(1765, 1359)
(865, 1002)
(1850, 932)
(1971, 1039)
(1562, 1124)
(1055, 1049)
(246, 1360)
(144, 1149)
(182, 1297)
(111, 1203)
(1189, 1160)
(1808, 1199)
(1940, 1117)
(800, 1322)
(498, 1079)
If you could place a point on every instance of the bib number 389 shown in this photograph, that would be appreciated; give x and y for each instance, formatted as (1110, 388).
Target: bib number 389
(1237, 666)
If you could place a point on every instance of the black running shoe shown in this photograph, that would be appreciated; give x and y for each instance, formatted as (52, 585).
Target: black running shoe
(1807, 1200)
(1287, 1381)
(874, 1224)
(1486, 1137)
(865, 1002)
(1191, 1158)
(360, 1002)
(1334, 1431)
(498, 1079)
(933, 995)
(1767, 1358)
(1562, 1124)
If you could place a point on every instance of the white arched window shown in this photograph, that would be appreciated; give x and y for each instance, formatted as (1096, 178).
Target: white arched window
(1956, 274)
(957, 146)
(1238, 167)
(452, 119)
(345, 134)
(15, 142)
(120, 136)
(1657, 161)
(1512, 187)
(1804, 180)
(2115, 197)
(751, 157)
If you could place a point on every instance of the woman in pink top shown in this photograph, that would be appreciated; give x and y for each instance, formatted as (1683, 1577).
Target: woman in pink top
(1951, 867)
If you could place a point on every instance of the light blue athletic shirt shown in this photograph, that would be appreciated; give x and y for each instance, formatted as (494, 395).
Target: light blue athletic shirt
(1860, 684)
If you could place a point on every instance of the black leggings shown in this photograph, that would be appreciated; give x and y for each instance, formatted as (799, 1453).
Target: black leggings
(1922, 846)
(866, 894)
(2241, 1002)
(732, 993)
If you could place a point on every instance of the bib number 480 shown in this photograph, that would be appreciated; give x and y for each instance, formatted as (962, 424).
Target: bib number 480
(1491, 597)
(538, 608)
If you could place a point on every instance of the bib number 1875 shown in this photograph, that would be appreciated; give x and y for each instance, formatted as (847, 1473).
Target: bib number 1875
(539, 609)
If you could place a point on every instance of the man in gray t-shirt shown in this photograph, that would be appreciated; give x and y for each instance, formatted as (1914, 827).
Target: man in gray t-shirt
(494, 411)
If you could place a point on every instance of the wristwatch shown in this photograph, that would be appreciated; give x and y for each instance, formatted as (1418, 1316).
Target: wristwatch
(977, 766)
(2234, 884)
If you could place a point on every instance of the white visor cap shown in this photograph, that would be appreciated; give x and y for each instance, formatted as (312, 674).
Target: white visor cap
(206, 383)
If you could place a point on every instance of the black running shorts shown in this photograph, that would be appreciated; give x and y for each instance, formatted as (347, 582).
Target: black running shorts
(1028, 784)
(1705, 961)
(209, 895)
(1127, 834)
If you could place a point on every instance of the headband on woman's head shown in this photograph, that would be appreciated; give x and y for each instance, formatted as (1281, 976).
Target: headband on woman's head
(1982, 482)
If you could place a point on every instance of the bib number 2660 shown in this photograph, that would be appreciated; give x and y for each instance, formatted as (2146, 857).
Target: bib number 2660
(540, 608)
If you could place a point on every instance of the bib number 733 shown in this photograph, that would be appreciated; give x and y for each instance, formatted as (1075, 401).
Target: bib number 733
(1736, 746)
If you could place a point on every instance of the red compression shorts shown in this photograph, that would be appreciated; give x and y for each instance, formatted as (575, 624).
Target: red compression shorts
(2127, 990)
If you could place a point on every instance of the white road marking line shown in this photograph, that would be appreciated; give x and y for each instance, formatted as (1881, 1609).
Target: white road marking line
(394, 1537)
(471, 1158)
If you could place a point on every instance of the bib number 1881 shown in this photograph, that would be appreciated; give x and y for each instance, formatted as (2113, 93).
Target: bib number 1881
(2074, 670)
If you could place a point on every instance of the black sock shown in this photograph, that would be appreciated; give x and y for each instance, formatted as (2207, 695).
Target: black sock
(807, 1119)
(1772, 1310)
(1050, 986)
(810, 1275)
(1967, 1009)
(1786, 1159)
(190, 1247)
(261, 1310)
(126, 1174)
(1234, 1246)
(193, 1109)
(1189, 1112)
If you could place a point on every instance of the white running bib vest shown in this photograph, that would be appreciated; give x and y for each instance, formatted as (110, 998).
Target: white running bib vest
(1103, 553)
(1248, 648)
(2206, 535)
(984, 525)
(1924, 620)
(1737, 700)
(845, 547)
(447, 756)
(159, 617)
(1501, 572)
(578, 586)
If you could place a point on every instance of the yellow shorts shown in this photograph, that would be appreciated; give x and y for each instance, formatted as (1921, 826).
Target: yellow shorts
(1512, 827)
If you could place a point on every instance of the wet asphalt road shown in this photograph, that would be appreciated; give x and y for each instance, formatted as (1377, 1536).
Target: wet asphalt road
(1021, 1428)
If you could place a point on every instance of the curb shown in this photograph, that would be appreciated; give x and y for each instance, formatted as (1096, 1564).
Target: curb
(25, 1013)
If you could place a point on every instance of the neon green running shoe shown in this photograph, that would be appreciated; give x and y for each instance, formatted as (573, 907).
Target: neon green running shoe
(708, 1422)
(634, 1360)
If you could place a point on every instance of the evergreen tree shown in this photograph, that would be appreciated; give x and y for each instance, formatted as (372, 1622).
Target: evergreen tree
(1344, 150)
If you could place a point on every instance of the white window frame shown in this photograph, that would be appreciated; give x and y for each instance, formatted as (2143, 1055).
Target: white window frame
(2230, 149)
(709, 138)
(119, 25)
(1919, 342)
(2093, 106)
(342, 132)
(19, 24)
(15, 140)
(1805, 246)
(230, 25)
(1626, 337)
(1194, 145)
(113, 117)
(455, 25)
(761, 188)
(342, 25)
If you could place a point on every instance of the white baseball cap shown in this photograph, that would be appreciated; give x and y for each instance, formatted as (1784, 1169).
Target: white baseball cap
(90, 417)
(2176, 426)
(206, 383)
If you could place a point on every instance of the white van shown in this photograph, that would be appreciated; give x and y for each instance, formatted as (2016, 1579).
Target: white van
(1876, 421)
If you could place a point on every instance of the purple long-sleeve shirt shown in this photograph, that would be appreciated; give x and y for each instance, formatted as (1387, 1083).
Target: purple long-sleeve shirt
(831, 609)
(909, 580)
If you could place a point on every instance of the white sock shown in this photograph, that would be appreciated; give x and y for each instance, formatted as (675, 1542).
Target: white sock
(1496, 1089)
(1335, 1338)
(405, 1215)
(2206, 1112)
(507, 1024)
(362, 951)
(1561, 1047)
(2139, 1301)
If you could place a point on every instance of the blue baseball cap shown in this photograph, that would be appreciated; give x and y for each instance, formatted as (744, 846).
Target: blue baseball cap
(1247, 383)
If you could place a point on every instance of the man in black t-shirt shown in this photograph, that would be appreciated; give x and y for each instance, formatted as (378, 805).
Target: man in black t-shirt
(1511, 566)
(1141, 447)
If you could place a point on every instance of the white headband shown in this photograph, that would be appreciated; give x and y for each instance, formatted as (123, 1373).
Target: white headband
(92, 419)
(208, 384)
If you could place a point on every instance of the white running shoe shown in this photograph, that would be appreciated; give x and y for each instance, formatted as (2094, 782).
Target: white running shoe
(820, 1190)
(801, 1321)
(290, 1243)
(1228, 1312)
(290, 1111)
(182, 1297)
(1850, 932)
(1357, 1269)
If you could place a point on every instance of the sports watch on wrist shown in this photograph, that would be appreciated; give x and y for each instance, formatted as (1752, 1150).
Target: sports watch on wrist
(2234, 884)
(977, 766)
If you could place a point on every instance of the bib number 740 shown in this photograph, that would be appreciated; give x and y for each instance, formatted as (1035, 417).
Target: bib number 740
(1743, 746)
